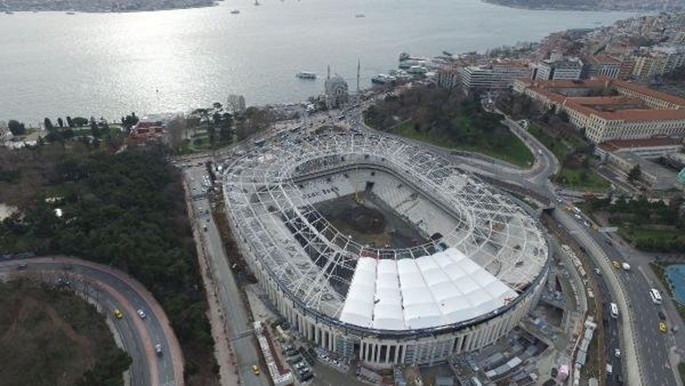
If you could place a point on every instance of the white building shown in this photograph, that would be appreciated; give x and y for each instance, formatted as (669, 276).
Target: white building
(560, 69)
(498, 74)
(601, 65)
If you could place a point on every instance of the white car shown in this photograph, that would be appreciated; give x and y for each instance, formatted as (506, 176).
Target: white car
(158, 350)
(617, 353)
(141, 313)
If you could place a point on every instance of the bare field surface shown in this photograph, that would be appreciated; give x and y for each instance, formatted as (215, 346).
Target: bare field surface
(53, 337)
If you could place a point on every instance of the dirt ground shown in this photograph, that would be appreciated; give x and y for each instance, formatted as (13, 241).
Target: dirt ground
(370, 221)
(39, 345)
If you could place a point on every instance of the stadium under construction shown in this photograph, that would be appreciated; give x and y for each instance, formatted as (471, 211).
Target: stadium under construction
(378, 249)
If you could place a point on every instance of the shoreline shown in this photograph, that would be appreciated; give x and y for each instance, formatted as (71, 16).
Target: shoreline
(108, 11)
(504, 3)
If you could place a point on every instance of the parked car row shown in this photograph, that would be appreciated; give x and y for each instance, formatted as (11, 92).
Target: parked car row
(298, 364)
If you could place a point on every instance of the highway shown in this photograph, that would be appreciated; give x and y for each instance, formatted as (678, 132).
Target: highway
(237, 323)
(652, 347)
(653, 353)
(112, 289)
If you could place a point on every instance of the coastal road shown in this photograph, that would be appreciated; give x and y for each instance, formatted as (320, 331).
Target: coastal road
(238, 324)
(110, 289)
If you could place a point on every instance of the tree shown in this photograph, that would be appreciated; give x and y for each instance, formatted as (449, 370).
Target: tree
(635, 173)
(129, 121)
(47, 123)
(60, 122)
(94, 129)
(177, 130)
(70, 122)
(16, 128)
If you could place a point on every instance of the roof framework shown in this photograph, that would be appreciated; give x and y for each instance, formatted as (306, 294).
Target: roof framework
(317, 266)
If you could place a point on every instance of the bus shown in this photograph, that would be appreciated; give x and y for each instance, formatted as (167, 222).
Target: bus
(655, 295)
(614, 310)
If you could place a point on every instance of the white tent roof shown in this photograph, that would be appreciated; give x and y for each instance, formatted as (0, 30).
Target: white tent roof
(430, 291)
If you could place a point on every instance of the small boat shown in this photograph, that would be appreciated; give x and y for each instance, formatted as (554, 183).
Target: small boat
(235, 12)
(71, 13)
(359, 15)
(9, 13)
(446, 53)
(306, 75)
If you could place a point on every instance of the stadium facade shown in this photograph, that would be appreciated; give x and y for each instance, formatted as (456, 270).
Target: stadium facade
(475, 266)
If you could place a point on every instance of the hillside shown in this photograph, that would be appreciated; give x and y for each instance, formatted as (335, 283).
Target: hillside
(594, 5)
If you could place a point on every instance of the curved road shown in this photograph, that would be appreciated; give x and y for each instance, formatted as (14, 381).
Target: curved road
(111, 289)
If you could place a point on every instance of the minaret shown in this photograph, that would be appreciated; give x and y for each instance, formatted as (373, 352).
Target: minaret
(359, 64)
(328, 76)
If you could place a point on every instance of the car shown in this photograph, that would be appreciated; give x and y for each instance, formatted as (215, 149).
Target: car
(662, 316)
(662, 327)
(616, 264)
(118, 314)
(255, 369)
(617, 353)
(598, 271)
(22, 267)
(158, 349)
(141, 313)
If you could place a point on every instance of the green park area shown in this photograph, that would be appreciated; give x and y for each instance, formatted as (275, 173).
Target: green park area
(555, 132)
(450, 120)
(50, 336)
(649, 225)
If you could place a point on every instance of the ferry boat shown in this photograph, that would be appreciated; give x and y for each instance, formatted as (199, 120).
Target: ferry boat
(383, 79)
(235, 12)
(306, 75)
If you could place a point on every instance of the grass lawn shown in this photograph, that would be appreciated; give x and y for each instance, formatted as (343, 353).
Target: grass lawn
(514, 152)
(556, 145)
(572, 178)
(653, 238)
(635, 234)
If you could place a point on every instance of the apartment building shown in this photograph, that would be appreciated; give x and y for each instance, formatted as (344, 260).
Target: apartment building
(559, 69)
(601, 65)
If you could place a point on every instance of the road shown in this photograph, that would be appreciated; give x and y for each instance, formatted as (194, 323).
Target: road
(111, 289)
(652, 347)
(237, 322)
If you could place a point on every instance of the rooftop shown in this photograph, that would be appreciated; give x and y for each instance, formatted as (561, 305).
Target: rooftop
(637, 143)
